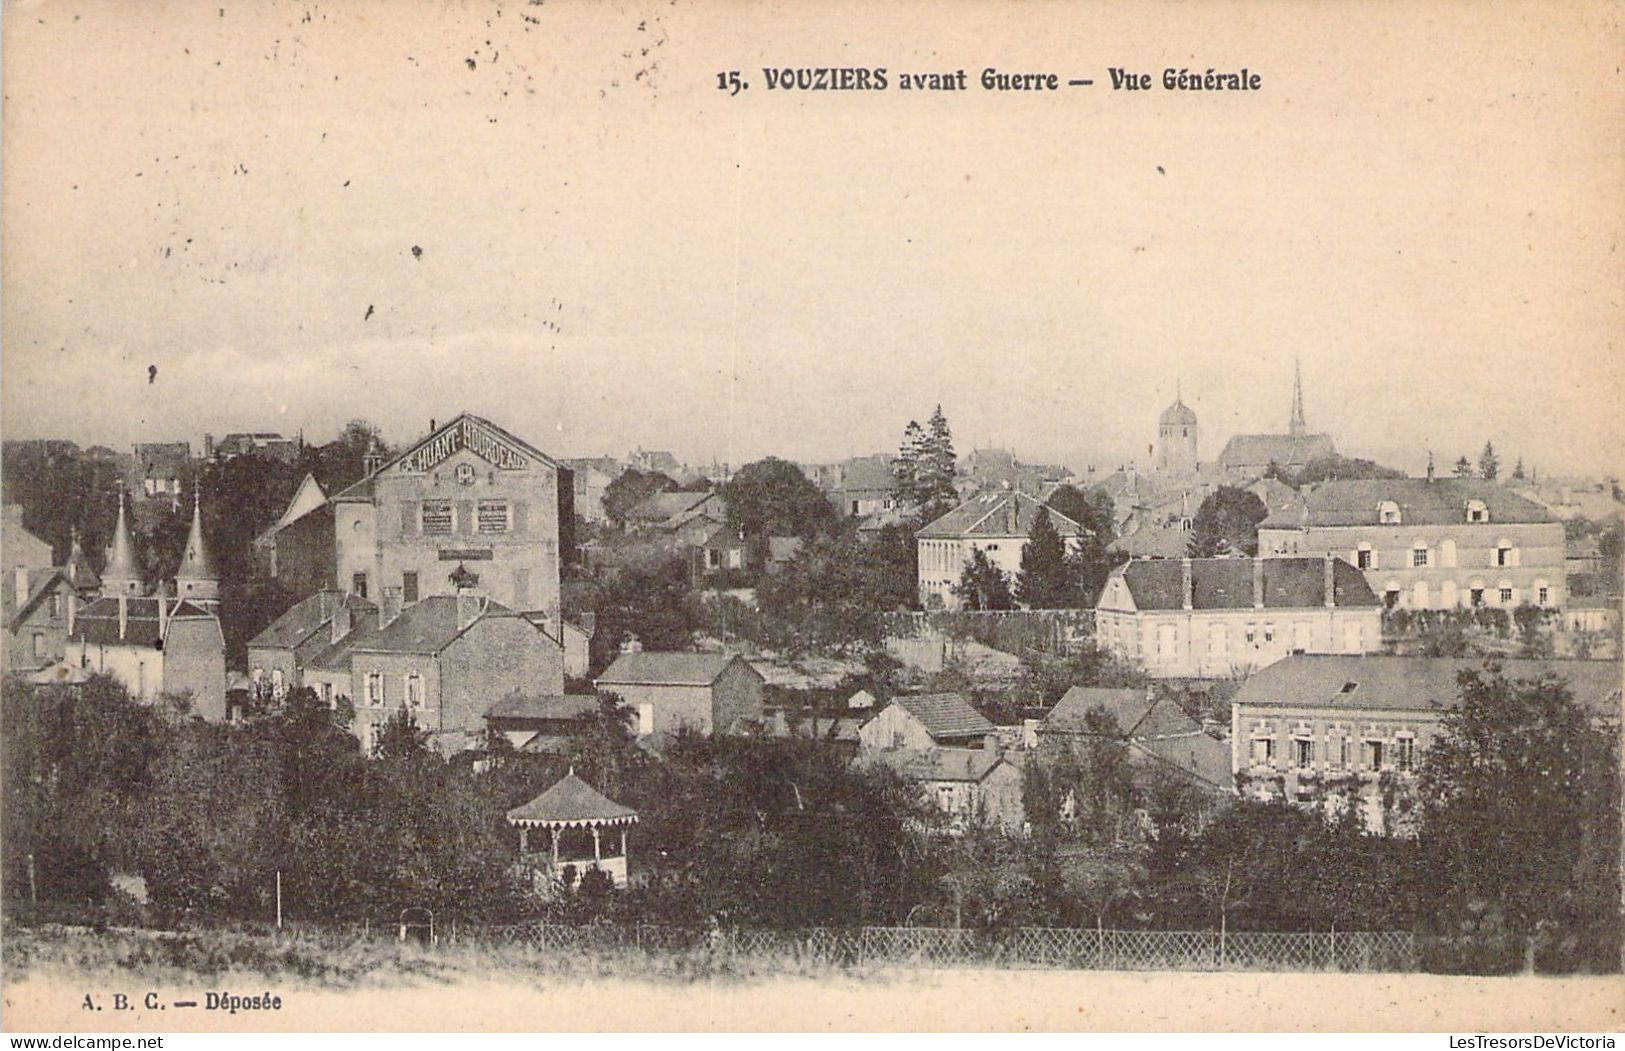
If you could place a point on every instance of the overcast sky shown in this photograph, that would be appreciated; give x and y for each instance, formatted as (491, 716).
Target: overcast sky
(1422, 204)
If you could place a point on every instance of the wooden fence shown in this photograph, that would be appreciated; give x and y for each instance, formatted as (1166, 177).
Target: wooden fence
(1019, 947)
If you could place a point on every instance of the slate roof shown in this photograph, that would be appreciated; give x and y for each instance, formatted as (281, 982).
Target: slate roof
(1149, 541)
(941, 764)
(1260, 450)
(572, 802)
(865, 472)
(41, 582)
(543, 706)
(1424, 684)
(306, 617)
(1227, 583)
(668, 669)
(1137, 715)
(1200, 757)
(426, 626)
(98, 622)
(945, 714)
(1442, 501)
(989, 515)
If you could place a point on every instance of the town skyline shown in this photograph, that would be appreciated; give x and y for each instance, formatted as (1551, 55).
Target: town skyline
(733, 277)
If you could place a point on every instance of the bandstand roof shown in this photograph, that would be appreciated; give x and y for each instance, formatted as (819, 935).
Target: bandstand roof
(571, 803)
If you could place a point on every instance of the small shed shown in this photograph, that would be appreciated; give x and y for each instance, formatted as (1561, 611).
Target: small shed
(576, 817)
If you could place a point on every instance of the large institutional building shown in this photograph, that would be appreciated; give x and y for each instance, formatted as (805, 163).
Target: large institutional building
(1429, 543)
(996, 524)
(470, 501)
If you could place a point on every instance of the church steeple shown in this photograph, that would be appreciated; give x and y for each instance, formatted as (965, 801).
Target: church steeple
(1297, 428)
(120, 576)
(196, 578)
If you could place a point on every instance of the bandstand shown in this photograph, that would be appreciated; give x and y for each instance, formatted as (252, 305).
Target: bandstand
(571, 811)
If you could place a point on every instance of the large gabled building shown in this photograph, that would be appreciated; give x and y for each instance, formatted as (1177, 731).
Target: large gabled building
(996, 524)
(470, 502)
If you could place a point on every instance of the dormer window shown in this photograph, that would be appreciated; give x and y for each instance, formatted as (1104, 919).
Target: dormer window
(1388, 513)
(1477, 512)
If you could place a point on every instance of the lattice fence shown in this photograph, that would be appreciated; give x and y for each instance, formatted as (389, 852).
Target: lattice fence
(1034, 947)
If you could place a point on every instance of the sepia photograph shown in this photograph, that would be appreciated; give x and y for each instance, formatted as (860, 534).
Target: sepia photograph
(529, 516)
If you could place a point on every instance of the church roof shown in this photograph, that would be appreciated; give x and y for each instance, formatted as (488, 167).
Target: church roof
(1178, 414)
(1261, 450)
(572, 803)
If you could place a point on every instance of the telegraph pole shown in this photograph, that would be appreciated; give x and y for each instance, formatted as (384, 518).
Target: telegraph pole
(279, 899)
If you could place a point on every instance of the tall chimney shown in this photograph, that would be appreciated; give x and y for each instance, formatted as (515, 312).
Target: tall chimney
(73, 610)
(20, 581)
(163, 612)
(469, 608)
(123, 613)
(389, 606)
(341, 618)
(1258, 583)
(1331, 588)
(1187, 588)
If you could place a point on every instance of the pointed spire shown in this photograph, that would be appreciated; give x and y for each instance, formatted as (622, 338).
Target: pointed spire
(1297, 428)
(196, 578)
(119, 576)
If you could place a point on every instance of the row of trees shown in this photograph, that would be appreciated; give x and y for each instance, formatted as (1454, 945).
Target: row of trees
(1515, 863)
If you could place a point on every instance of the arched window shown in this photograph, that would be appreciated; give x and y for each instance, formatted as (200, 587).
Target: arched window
(1543, 593)
(1505, 554)
(1365, 556)
(1475, 592)
(1477, 512)
(1447, 553)
(1447, 594)
(1506, 594)
(1419, 594)
(1420, 557)
(1388, 513)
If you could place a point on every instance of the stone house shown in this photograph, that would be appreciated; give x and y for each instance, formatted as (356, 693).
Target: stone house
(1217, 617)
(968, 787)
(1317, 730)
(1430, 543)
(279, 655)
(711, 693)
(995, 523)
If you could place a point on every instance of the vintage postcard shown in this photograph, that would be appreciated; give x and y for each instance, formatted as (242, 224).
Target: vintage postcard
(534, 515)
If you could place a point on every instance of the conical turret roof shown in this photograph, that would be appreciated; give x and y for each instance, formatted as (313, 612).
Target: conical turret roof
(120, 573)
(195, 561)
(80, 575)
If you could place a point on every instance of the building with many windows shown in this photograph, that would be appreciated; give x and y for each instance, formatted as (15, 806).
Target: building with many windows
(1322, 731)
(996, 524)
(470, 502)
(1217, 617)
(1429, 543)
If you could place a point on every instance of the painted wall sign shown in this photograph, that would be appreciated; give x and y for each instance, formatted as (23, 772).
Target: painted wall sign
(465, 554)
(466, 435)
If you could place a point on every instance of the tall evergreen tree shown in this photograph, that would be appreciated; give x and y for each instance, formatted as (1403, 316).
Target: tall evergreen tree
(1489, 465)
(938, 462)
(982, 585)
(1517, 470)
(1045, 579)
(1463, 468)
(906, 468)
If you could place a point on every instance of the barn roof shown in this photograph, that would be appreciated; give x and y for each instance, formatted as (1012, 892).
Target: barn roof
(945, 714)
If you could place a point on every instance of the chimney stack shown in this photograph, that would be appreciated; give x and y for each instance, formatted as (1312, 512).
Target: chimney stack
(1331, 587)
(20, 580)
(163, 612)
(389, 606)
(1258, 583)
(341, 618)
(1187, 588)
(123, 614)
(469, 608)
(73, 609)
